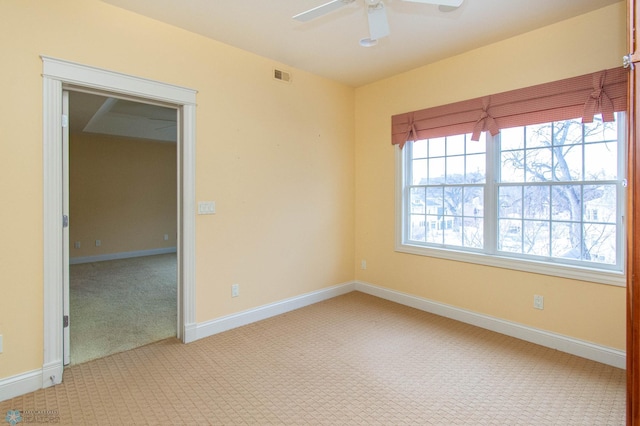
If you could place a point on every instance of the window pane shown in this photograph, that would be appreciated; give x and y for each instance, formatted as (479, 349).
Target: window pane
(600, 203)
(418, 200)
(536, 238)
(601, 161)
(419, 149)
(455, 145)
(437, 147)
(436, 170)
(512, 138)
(599, 131)
(567, 132)
(435, 231)
(538, 136)
(418, 230)
(610, 131)
(473, 222)
(600, 241)
(453, 200)
(476, 168)
(510, 201)
(478, 146)
(455, 169)
(419, 172)
(512, 166)
(473, 202)
(474, 232)
(434, 200)
(566, 202)
(536, 202)
(510, 236)
(538, 164)
(452, 231)
(566, 239)
(567, 163)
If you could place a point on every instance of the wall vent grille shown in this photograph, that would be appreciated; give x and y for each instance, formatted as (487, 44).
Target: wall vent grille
(282, 75)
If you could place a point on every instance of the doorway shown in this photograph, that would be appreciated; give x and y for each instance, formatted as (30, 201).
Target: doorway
(122, 191)
(60, 75)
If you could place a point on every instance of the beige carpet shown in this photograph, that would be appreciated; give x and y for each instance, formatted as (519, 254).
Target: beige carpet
(354, 359)
(121, 304)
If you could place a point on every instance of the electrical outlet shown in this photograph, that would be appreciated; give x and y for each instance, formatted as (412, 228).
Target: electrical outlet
(166, 237)
(538, 301)
(0, 343)
(235, 290)
(363, 264)
(76, 244)
(98, 243)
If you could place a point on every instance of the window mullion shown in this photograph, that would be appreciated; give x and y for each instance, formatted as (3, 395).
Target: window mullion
(491, 194)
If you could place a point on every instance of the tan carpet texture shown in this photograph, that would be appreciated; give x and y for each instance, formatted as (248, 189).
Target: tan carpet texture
(354, 359)
(121, 304)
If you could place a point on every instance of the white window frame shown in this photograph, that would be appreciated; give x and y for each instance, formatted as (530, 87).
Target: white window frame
(498, 259)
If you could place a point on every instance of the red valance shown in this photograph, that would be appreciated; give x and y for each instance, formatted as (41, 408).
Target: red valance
(603, 92)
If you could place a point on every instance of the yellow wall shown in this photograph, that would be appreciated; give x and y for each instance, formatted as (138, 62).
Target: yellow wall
(280, 162)
(588, 311)
(123, 192)
(277, 158)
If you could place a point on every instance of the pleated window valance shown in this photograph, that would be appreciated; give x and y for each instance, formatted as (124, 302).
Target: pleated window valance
(603, 92)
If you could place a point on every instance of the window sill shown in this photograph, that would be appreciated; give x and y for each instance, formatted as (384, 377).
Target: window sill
(544, 268)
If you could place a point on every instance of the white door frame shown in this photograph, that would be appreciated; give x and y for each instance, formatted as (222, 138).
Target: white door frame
(58, 74)
(66, 335)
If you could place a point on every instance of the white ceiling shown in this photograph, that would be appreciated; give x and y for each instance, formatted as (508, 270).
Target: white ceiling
(118, 117)
(329, 46)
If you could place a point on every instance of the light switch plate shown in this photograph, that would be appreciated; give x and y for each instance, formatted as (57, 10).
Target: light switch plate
(206, 207)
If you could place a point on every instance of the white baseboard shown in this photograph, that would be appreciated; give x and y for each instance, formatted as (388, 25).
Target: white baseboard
(121, 255)
(190, 333)
(20, 384)
(229, 322)
(606, 355)
(52, 373)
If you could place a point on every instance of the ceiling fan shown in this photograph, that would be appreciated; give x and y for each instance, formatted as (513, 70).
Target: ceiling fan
(376, 13)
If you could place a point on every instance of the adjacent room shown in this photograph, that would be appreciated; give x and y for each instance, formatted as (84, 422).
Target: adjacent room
(312, 212)
(123, 225)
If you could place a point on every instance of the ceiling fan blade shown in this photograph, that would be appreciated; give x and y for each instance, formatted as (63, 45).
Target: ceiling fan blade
(448, 3)
(321, 10)
(378, 22)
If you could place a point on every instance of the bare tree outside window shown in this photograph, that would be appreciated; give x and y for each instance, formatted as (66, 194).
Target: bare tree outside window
(557, 191)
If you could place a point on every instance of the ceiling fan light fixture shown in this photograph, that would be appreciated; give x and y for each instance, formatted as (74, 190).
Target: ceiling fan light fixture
(376, 15)
(378, 22)
(368, 42)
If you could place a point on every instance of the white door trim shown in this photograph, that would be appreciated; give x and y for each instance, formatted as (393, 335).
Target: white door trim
(66, 335)
(56, 75)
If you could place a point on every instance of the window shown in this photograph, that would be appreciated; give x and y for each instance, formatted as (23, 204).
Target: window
(446, 191)
(546, 197)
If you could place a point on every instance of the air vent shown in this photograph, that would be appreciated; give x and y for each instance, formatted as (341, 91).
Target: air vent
(282, 75)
